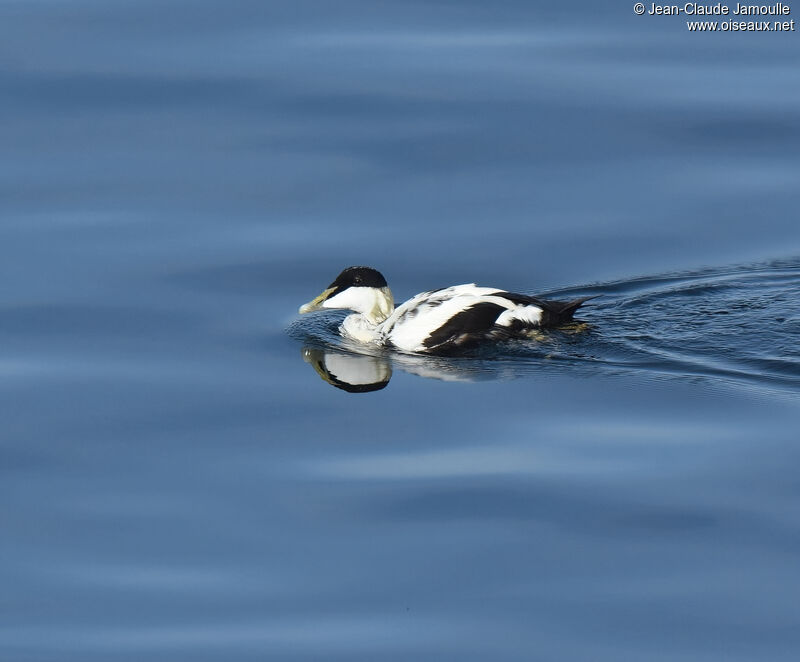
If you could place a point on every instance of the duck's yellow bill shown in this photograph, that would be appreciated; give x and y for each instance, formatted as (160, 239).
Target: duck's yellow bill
(316, 304)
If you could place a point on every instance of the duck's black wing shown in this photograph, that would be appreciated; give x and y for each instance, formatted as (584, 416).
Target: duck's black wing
(464, 329)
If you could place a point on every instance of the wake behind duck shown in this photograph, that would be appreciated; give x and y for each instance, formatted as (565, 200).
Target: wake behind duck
(438, 321)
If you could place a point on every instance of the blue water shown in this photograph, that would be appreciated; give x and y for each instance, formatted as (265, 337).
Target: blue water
(177, 481)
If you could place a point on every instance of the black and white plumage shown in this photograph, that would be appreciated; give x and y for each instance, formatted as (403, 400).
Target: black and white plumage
(435, 322)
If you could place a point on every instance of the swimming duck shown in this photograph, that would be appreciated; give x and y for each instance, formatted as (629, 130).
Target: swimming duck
(435, 322)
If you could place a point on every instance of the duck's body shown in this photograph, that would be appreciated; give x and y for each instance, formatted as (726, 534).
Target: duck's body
(438, 321)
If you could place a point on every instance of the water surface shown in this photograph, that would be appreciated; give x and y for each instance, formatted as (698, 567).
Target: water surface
(178, 483)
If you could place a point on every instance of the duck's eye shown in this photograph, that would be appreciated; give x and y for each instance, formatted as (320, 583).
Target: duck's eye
(357, 280)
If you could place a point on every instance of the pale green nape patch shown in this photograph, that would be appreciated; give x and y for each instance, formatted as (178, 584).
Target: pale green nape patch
(382, 307)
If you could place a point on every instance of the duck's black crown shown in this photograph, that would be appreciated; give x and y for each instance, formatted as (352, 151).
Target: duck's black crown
(358, 277)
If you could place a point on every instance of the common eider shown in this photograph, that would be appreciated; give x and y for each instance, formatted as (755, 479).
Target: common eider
(435, 322)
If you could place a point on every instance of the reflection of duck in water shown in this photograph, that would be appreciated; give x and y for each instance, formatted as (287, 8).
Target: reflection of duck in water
(439, 321)
(362, 373)
(352, 373)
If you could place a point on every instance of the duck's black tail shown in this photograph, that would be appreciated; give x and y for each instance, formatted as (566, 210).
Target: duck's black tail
(560, 312)
(553, 312)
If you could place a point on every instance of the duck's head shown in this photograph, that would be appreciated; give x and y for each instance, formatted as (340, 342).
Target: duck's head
(361, 289)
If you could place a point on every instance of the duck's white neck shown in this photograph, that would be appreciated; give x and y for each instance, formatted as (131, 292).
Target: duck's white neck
(374, 304)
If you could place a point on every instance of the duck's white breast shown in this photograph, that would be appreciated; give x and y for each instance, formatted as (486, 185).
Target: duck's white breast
(360, 329)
